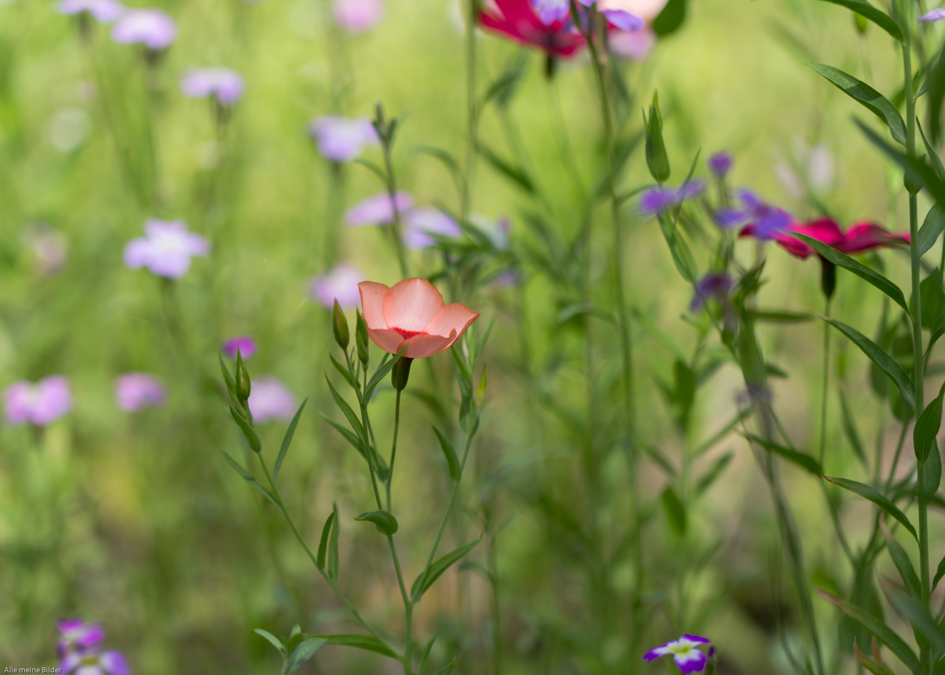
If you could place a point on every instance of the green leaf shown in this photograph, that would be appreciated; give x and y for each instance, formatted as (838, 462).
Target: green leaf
(935, 82)
(875, 667)
(927, 427)
(656, 158)
(881, 359)
(348, 412)
(915, 169)
(849, 429)
(670, 19)
(675, 511)
(365, 642)
(447, 669)
(381, 373)
(252, 481)
(514, 174)
(323, 543)
(375, 169)
(802, 459)
(305, 651)
(714, 472)
(682, 255)
(447, 160)
(780, 317)
(385, 522)
(883, 633)
(904, 565)
(920, 619)
(433, 572)
(450, 453)
(937, 332)
(930, 475)
(426, 655)
(859, 269)
(230, 383)
(684, 393)
(333, 546)
(273, 640)
(287, 440)
(653, 453)
(341, 368)
(877, 16)
(868, 97)
(932, 227)
(933, 299)
(349, 436)
(939, 573)
(247, 430)
(874, 496)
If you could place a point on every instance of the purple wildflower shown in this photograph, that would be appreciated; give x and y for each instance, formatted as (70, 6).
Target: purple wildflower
(107, 663)
(720, 163)
(934, 15)
(77, 635)
(341, 139)
(635, 45)
(340, 284)
(137, 391)
(713, 286)
(150, 27)
(166, 248)
(103, 11)
(269, 399)
(223, 84)
(244, 345)
(378, 210)
(357, 16)
(40, 404)
(684, 651)
(657, 200)
(550, 11)
(768, 220)
(420, 224)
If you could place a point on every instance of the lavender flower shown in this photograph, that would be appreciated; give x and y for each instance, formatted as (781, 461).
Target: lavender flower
(137, 391)
(269, 399)
(378, 210)
(103, 11)
(720, 163)
(934, 15)
(341, 139)
(340, 284)
(550, 11)
(107, 663)
(635, 45)
(40, 404)
(684, 651)
(77, 635)
(713, 286)
(420, 224)
(243, 345)
(166, 248)
(357, 16)
(223, 84)
(658, 200)
(150, 27)
(767, 220)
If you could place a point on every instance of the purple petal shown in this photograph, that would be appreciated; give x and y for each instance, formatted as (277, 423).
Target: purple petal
(115, 663)
(691, 190)
(657, 199)
(691, 662)
(341, 139)
(137, 253)
(419, 224)
(340, 284)
(242, 345)
(657, 652)
(687, 636)
(727, 218)
(720, 163)
(224, 84)
(53, 399)
(136, 391)
(103, 11)
(551, 11)
(150, 27)
(377, 210)
(357, 16)
(635, 44)
(934, 15)
(269, 399)
(624, 20)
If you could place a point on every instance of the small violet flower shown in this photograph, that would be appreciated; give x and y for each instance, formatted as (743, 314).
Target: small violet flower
(720, 164)
(767, 220)
(357, 16)
(420, 224)
(166, 248)
(223, 84)
(41, 403)
(550, 11)
(684, 651)
(341, 139)
(137, 391)
(243, 345)
(269, 399)
(713, 286)
(150, 27)
(103, 11)
(83, 663)
(934, 15)
(340, 284)
(378, 210)
(657, 200)
(77, 635)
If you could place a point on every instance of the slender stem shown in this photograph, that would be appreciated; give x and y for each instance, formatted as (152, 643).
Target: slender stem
(449, 506)
(408, 603)
(396, 226)
(472, 113)
(367, 443)
(823, 400)
(393, 450)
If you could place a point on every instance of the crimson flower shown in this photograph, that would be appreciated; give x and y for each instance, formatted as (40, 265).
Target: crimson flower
(861, 237)
(519, 21)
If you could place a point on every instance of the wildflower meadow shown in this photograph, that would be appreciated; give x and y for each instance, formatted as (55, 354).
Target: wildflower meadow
(483, 337)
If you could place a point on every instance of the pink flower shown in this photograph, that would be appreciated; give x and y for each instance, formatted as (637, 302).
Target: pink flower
(635, 45)
(859, 238)
(40, 404)
(166, 248)
(357, 16)
(77, 635)
(137, 391)
(223, 84)
(269, 399)
(518, 20)
(378, 210)
(244, 345)
(412, 313)
(103, 11)
(420, 224)
(340, 284)
(150, 27)
(341, 139)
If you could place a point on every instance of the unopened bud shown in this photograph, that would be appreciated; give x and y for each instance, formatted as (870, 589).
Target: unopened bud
(401, 373)
(362, 340)
(243, 384)
(340, 327)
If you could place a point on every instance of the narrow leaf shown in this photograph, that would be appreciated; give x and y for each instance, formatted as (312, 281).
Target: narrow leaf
(247, 430)
(877, 16)
(849, 428)
(714, 472)
(346, 409)
(675, 511)
(252, 481)
(323, 543)
(333, 546)
(874, 496)
(341, 368)
(927, 427)
(872, 666)
(868, 97)
(939, 573)
(273, 640)
(433, 572)
(802, 459)
(381, 373)
(287, 440)
(349, 436)
(932, 227)
(447, 669)
(904, 565)
(305, 651)
(450, 453)
(385, 522)
(365, 642)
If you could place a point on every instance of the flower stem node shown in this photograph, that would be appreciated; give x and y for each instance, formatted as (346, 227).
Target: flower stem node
(401, 373)
(339, 325)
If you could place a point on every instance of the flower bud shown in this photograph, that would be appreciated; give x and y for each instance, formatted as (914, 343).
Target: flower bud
(656, 158)
(361, 339)
(340, 327)
(828, 278)
(243, 384)
(401, 373)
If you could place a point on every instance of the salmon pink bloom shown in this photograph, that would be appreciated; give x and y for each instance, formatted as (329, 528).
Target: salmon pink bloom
(518, 20)
(684, 651)
(859, 238)
(412, 314)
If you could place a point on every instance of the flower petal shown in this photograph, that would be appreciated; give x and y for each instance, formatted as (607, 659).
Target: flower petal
(421, 346)
(372, 305)
(453, 317)
(865, 236)
(412, 304)
(692, 661)
(695, 638)
(388, 340)
(657, 652)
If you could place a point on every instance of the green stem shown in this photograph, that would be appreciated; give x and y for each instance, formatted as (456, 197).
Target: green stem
(472, 113)
(823, 400)
(449, 506)
(408, 604)
(393, 450)
(395, 226)
(367, 443)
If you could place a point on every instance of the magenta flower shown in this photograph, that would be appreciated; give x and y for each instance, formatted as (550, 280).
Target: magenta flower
(269, 399)
(166, 248)
(720, 163)
(658, 200)
(77, 635)
(103, 11)
(40, 404)
(107, 663)
(244, 345)
(340, 284)
(223, 84)
(685, 653)
(767, 220)
(420, 224)
(137, 391)
(357, 16)
(378, 210)
(934, 15)
(150, 27)
(341, 139)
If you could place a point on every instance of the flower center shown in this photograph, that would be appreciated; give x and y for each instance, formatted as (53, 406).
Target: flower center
(407, 334)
